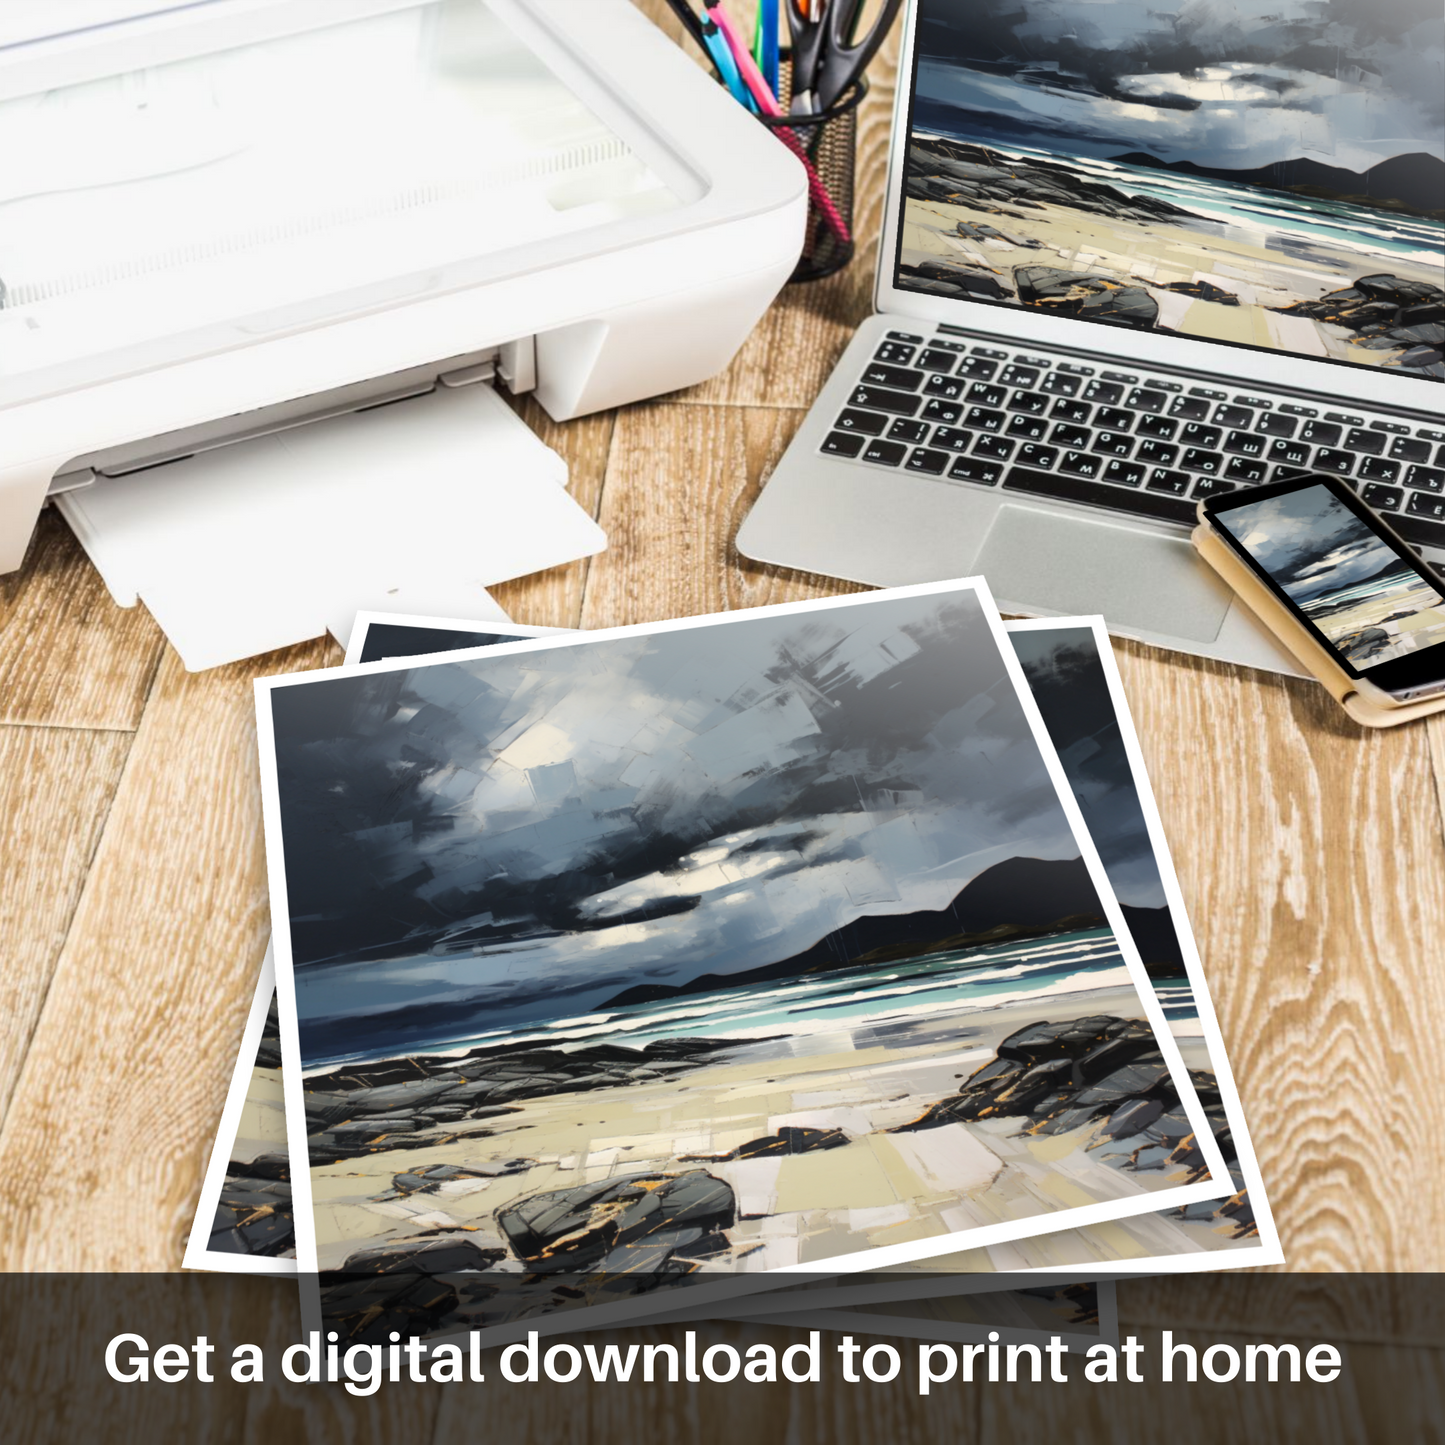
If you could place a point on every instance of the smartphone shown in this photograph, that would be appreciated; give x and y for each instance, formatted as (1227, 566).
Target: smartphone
(1336, 567)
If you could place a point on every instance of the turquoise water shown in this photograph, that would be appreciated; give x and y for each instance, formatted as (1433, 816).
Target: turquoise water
(949, 984)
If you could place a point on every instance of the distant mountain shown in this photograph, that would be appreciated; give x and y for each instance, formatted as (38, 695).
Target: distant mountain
(1152, 930)
(1413, 182)
(1020, 898)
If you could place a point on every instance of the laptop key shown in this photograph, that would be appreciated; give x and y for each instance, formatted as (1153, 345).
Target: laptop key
(954, 438)
(1419, 531)
(1381, 498)
(1407, 449)
(1035, 403)
(1142, 398)
(923, 459)
(905, 429)
(996, 449)
(1112, 444)
(1244, 469)
(886, 454)
(1035, 456)
(877, 374)
(944, 411)
(878, 398)
(1107, 392)
(905, 336)
(984, 395)
(1289, 454)
(1060, 383)
(1070, 436)
(935, 359)
(843, 444)
(1196, 459)
(1156, 426)
(1076, 411)
(970, 469)
(1245, 444)
(1015, 375)
(1321, 433)
(1189, 408)
(1124, 474)
(895, 353)
(1331, 459)
(981, 419)
(1371, 443)
(1116, 499)
(1081, 464)
(1422, 504)
(1271, 424)
(1226, 415)
(1377, 469)
(1114, 418)
(949, 387)
(1163, 480)
(867, 422)
(977, 368)
(1031, 428)
(1156, 454)
(1425, 479)
(1210, 487)
(1195, 435)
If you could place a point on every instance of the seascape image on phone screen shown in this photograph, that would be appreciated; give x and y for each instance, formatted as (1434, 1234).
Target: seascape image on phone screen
(1367, 600)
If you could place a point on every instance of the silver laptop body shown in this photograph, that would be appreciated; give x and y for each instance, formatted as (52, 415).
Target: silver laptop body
(1063, 457)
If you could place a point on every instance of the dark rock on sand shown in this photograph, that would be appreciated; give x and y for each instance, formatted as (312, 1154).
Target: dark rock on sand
(790, 1139)
(253, 1215)
(408, 1286)
(1386, 313)
(421, 1102)
(943, 279)
(958, 173)
(428, 1178)
(643, 1222)
(1203, 291)
(1086, 295)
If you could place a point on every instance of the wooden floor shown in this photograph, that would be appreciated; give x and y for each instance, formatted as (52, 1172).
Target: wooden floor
(133, 906)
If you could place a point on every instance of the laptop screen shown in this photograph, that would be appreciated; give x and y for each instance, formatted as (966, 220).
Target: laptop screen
(1266, 173)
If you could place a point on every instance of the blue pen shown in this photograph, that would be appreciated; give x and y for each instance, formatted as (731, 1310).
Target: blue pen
(768, 30)
(727, 67)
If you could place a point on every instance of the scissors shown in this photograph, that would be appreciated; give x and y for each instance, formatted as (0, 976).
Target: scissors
(828, 56)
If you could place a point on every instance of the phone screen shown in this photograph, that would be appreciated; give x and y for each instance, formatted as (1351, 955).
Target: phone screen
(1367, 600)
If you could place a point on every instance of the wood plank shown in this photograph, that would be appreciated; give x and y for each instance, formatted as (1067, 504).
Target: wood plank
(116, 1106)
(679, 483)
(69, 657)
(1311, 859)
(554, 598)
(56, 786)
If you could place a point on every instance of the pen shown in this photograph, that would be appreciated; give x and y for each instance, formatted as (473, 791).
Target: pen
(765, 42)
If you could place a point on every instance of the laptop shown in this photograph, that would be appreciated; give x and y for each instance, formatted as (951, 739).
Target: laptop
(1115, 279)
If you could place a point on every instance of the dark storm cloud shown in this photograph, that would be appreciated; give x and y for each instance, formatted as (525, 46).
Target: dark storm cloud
(555, 823)
(1234, 86)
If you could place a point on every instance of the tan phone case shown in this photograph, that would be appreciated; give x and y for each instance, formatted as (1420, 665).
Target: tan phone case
(1313, 655)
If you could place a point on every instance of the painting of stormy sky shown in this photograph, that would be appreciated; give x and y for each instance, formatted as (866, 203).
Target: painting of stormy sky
(531, 832)
(1226, 84)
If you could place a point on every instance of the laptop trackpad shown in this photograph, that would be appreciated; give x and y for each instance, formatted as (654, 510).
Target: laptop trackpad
(1070, 564)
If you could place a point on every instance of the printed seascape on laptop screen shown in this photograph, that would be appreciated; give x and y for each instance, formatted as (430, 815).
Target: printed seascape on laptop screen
(673, 953)
(1271, 174)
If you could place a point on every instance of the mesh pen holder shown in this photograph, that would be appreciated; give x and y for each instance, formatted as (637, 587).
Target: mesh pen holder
(827, 141)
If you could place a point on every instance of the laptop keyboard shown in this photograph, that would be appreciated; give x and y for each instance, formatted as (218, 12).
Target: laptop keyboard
(1140, 444)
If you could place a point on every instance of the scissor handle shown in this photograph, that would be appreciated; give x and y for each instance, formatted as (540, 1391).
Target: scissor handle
(844, 59)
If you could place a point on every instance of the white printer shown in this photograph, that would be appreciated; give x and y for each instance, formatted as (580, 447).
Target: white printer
(220, 221)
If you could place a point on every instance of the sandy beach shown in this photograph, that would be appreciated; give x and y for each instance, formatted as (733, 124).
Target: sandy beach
(878, 1189)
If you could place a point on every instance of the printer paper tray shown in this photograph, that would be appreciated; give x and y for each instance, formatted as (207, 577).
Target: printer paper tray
(417, 506)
